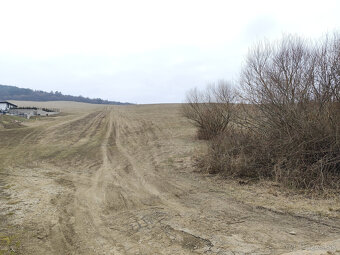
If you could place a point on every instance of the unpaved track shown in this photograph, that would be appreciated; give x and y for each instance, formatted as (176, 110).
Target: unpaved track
(135, 193)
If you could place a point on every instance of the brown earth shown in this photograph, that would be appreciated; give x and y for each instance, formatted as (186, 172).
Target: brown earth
(121, 180)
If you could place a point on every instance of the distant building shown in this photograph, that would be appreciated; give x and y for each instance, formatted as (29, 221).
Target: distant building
(28, 112)
(5, 106)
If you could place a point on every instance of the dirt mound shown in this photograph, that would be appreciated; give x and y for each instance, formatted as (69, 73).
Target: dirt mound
(9, 122)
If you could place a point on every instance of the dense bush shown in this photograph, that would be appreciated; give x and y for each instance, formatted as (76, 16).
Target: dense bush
(288, 128)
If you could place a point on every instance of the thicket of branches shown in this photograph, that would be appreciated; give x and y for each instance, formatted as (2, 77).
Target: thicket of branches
(288, 127)
(210, 110)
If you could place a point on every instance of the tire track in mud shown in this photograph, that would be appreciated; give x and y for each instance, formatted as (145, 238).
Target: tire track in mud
(118, 207)
(59, 231)
(87, 229)
(112, 189)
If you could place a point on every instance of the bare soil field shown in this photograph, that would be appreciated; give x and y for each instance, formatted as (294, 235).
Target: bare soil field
(122, 180)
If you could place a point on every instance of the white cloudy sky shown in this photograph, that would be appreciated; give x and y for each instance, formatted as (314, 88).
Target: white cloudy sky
(143, 51)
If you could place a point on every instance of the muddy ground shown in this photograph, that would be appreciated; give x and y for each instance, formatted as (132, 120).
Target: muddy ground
(121, 180)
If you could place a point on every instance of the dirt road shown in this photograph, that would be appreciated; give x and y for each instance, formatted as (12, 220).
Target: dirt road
(120, 180)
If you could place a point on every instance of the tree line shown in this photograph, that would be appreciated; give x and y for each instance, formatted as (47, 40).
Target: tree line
(21, 94)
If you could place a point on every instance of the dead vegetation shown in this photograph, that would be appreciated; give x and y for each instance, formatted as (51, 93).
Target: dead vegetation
(288, 126)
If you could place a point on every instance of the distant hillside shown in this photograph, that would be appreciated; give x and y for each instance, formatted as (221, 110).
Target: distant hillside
(15, 93)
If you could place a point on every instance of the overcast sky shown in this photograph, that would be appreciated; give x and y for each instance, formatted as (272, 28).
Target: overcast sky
(143, 51)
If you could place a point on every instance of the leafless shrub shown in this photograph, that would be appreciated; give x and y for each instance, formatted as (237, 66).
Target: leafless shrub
(294, 86)
(235, 153)
(210, 110)
(288, 128)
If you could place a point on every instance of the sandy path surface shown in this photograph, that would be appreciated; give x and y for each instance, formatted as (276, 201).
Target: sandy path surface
(120, 180)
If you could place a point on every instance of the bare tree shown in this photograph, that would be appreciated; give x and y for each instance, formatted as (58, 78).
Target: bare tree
(211, 109)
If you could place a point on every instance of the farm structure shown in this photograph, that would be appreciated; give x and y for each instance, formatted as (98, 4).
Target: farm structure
(27, 112)
(5, 106)
(32, 111)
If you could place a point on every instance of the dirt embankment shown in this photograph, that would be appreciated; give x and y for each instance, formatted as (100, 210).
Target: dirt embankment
(120, 180)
